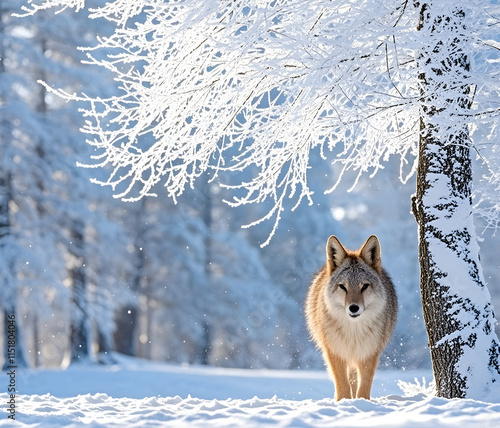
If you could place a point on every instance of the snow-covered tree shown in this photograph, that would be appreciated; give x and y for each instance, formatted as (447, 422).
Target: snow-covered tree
(457, 305)
(17, 209)
(359, 82)
(47, 221)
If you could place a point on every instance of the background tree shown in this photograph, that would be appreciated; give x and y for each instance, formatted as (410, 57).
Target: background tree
(277, 81)
(45, 219)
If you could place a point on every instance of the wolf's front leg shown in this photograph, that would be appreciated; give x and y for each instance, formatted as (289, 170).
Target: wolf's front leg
(339, 371)
(366, 371)
(353, 380)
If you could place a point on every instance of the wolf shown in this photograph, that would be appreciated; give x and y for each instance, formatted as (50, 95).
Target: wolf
(351, 309)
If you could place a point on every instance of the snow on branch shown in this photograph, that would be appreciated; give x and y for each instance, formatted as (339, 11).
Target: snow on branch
(34, 6)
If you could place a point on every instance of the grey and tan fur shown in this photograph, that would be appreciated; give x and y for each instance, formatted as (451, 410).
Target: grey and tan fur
(351, 310)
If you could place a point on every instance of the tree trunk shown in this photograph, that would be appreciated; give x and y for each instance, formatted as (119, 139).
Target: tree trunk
(205, 347)
(205, 196)
(456, 303)
(105, 347)
(125, 332)
(36, 342)
(80, 331)
(127, 317)
(149, 326)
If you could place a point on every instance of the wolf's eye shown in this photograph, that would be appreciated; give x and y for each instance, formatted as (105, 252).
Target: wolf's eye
(342, 286)
(364, 287)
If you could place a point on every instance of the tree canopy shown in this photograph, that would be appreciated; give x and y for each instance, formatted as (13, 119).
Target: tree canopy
(229, 86)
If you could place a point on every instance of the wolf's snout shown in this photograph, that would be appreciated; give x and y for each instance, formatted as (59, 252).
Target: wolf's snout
(353, 310)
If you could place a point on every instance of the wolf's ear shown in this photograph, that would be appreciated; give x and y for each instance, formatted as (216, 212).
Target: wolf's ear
(371, 253)
(335, 254)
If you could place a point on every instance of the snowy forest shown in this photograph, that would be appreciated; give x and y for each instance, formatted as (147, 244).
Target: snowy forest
(88, 274)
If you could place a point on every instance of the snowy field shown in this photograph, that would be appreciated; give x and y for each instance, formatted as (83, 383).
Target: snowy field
(137, 393)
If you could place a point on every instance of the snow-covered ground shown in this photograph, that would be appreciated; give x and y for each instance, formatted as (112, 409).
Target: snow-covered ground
(137, 393)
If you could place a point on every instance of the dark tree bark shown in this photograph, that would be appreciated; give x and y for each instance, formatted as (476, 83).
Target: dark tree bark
(125, 333)
(80, 331)
(457, 307)
(36, 342)
(127, 317)
(206, 345)
(206, 197)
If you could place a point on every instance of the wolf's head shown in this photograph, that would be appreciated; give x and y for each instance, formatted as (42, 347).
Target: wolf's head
(354, 285)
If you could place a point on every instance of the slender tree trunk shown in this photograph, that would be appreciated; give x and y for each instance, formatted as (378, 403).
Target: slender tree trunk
(105, 347)
(457, 306)
(127, 317)
(205, 344)
(36, 342)
(80, 331)
(125, 333)
(148, 328)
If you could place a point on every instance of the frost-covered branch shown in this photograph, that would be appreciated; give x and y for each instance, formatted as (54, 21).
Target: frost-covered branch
(34, 6)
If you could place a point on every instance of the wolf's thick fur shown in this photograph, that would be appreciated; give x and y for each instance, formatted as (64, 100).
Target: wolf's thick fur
(351, 310)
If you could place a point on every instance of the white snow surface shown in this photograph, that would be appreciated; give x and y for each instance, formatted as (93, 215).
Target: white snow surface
(138, 393)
